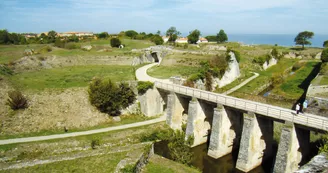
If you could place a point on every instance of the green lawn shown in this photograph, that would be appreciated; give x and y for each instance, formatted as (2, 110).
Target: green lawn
(75, 76)
(159, 164)
(265, 76)
(291, 86)
(9, 53)
(102, 163)
(164, 72)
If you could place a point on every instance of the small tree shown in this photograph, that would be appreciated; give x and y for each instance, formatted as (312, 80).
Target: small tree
(194, 36)
(103, 35)
(302, 38)
(108, 97)
(115, 42)
(222, 36)
(325, 44)
(131, 33)
(158, 40)
(172, 33)
(324, 55)
(16, 100)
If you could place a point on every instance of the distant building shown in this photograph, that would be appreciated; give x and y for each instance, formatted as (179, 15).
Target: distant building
(79, 34)
(202, 40)
(29, 35)
(182, 40)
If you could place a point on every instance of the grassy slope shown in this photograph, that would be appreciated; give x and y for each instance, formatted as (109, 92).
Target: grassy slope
(103, 163)
(159, 164)
(76, 76)
(10, 53)
(290, 88)
(164, 72)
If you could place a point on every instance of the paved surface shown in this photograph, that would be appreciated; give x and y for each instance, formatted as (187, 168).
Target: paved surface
(89, 132)
(141, 74)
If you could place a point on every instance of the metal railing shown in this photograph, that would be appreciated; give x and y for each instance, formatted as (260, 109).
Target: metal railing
(310, 120)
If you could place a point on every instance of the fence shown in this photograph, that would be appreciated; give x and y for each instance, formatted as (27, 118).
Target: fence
(310, 120)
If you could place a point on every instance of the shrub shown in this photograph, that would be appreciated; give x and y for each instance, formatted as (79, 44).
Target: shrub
(108, 97)
(275, 53)
(144, 86)
(59, 43)
(115, 42)
(17, 100)
(72, 46)
(158, 40)
(129, 168)
(237, 54)
(297, 66)
(4, 70)
(95, 143)
(261, 59)
(208, 81)
(45, 49)
(324, 145)
(324, 55)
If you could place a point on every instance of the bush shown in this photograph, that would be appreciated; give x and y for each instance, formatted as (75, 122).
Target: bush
(45, 49)
(17, 100)
(59, 43)
(158, 40)
(237, 54)
(115, 42)
(144, 86)
(108, 97)
(4, 70)
(72, 46)
(275, 53)
(324, 55)
(95, 143)
(261, 59)
(324, 145)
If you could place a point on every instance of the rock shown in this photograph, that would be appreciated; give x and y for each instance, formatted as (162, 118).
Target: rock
(318, 163)
(230, 75)
(299, 57)
(28, 52)
(290, 55)
(87, 48)
(318, 56)
(117, 118)
(271, 62)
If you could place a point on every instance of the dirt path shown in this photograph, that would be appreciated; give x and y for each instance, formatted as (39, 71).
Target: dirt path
(141, 74)
(89, 132)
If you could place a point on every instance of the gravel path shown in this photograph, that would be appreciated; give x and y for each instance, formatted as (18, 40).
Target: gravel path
(89, 132)
(141, 74)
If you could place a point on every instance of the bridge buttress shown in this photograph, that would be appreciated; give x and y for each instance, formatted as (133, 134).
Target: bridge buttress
(151, 103)
(174, 111)
(225, 133)
(256, 142)
(197, 126)
(293, 147)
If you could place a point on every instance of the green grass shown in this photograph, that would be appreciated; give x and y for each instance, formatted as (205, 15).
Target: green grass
(158, 164)
(324, 80)
(291, 87)
(164, 72)
(234, 83)
(102, 163)
(125, 119)
(66, 77)
(266, 75)
(188, 56)
(9, 53)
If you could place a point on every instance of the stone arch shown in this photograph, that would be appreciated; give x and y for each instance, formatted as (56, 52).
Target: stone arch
(155, 56)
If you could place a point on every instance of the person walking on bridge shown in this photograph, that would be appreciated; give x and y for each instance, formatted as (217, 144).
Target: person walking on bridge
(298, 108)
(305, 105)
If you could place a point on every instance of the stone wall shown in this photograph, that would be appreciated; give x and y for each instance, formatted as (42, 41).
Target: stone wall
(312, 90)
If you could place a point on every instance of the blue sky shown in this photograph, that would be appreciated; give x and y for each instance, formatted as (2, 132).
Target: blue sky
(209, 16)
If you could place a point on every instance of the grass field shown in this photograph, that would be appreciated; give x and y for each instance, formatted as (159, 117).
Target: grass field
(291, 88)
(9, 53)
(164, 72)
(75, 76)
(158, 164)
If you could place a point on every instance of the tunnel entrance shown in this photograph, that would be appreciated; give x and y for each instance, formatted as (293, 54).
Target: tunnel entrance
(154, 55)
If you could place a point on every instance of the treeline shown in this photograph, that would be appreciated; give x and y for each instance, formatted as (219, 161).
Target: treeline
(11, 38)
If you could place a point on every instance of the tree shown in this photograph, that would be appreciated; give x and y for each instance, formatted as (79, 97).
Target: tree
(222, 36)
(52, 36)
(158, 40)
(212, 38)
(324, 55)
(115, 42)
(172, 33)
(158, 32)
(302, 38)
(131, 33)
(4, 36)
(108, 97)
(325, 44)
(193, 36)
(103, 35)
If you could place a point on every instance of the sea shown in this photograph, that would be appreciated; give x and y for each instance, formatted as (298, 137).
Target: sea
(272, 39)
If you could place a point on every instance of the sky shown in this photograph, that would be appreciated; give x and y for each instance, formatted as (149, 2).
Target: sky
(208, 16)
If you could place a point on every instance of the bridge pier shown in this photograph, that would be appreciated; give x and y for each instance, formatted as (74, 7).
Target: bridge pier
(197, 126)
(174, 111)
(151, 103)
(225, 133)
(293, 147)
(256, 142)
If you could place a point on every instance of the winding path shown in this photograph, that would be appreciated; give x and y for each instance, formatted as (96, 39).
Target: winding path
(74, 134)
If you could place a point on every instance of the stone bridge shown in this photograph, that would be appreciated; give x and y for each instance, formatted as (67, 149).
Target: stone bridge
(228, 123)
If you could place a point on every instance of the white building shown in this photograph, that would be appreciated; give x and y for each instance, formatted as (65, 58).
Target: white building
(202, 40)
(182, 40)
